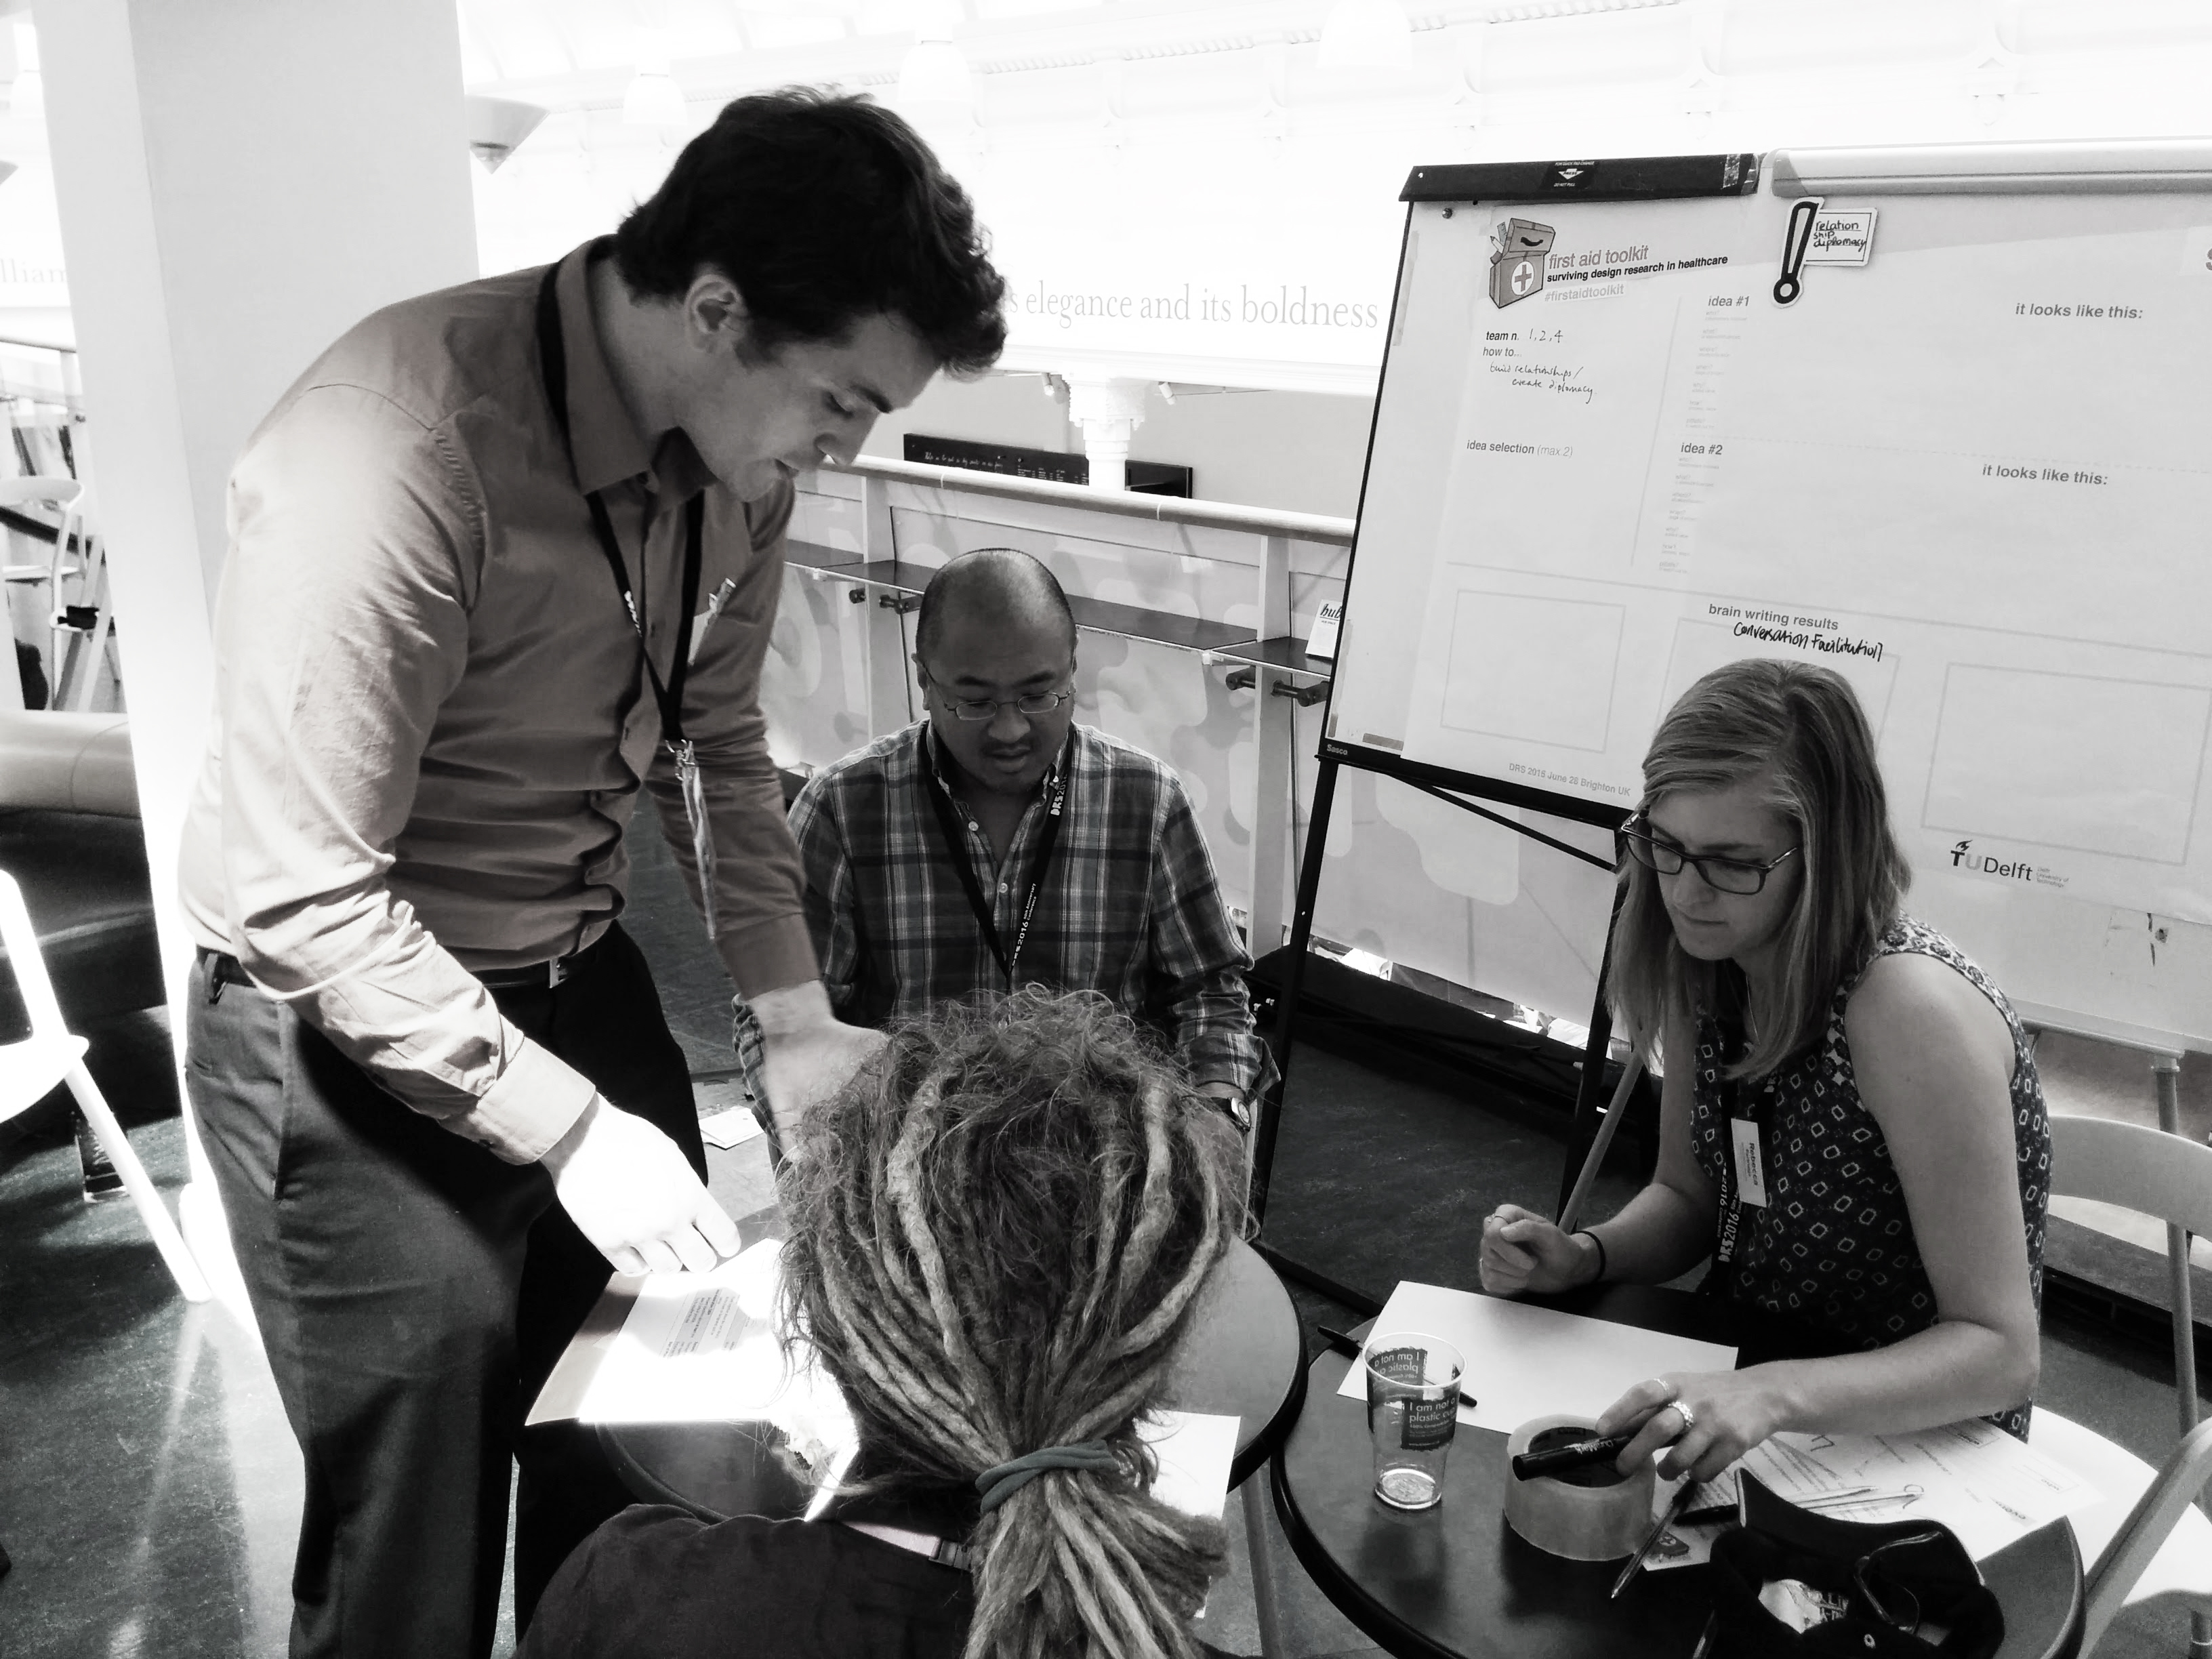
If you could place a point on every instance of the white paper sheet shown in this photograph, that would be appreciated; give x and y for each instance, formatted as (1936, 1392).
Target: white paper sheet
(1986, 1486)
(1978, 1480)
(1525, 1362)
(698, 1349)
(731, 1128)
(1194, 1449)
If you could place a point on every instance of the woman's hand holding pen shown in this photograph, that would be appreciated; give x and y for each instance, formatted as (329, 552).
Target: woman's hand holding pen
(1524, 1253)
(1702, 1420)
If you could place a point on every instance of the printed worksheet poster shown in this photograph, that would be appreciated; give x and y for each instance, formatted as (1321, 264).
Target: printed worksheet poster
(1951, 447)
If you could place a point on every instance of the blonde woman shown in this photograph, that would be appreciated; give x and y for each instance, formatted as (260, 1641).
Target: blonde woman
(1851, 1123)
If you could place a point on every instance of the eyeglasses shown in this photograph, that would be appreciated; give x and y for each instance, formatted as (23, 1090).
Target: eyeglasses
(1741, 876)
(1031, 704)
(1891, 1602)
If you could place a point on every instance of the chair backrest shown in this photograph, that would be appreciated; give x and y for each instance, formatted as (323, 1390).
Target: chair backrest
(2134, 1166)
(55, 491)
(66, 493)
(2169, 1176)
(22, 941)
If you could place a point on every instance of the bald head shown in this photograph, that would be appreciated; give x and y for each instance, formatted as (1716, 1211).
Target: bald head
(995, 591)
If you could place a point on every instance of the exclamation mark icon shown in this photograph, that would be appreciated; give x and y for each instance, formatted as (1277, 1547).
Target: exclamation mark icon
(1790, 284)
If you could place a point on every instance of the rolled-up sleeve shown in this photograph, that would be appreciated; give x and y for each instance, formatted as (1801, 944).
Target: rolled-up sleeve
(760, 920)
(1197, 964)
(817, 825)
(357, 538)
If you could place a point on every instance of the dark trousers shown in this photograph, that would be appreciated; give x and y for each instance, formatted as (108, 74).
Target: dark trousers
(413, 1292)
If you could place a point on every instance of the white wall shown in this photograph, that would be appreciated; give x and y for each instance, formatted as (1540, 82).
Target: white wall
(238, 181)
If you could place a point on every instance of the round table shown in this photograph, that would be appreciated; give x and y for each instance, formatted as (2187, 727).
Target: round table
(1457, 1582)
(1242, 1357)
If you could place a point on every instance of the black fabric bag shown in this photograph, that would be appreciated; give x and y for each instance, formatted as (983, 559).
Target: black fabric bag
(1893, 1577)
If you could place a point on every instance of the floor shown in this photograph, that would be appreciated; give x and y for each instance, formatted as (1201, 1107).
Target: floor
(149, 1488)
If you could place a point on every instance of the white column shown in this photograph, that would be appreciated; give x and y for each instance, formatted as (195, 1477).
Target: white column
(1109, 413)
(239, 181)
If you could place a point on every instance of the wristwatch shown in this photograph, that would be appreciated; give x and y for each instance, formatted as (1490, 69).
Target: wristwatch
(1237, 1108)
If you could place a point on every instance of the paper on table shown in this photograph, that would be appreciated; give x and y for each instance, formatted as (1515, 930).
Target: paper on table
(1985, 1486)
(1982, 1483)
(703, 1348)
(1194, 1449)
(1525, 1362)
(731, 1128)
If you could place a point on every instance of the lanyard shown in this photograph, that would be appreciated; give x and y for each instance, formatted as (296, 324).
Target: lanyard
(964, 863)
(1734, 1111)
(553, 364)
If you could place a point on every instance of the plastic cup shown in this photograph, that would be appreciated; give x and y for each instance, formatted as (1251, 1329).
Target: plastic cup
(1413, 1412)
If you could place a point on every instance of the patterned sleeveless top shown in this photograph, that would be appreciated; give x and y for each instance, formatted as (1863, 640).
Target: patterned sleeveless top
(1833, 1244)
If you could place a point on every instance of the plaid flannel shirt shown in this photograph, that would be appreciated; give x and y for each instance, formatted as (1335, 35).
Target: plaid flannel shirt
(1131, 908)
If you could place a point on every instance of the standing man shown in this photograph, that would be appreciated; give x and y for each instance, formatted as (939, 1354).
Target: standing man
(997, 843)
(506, 555)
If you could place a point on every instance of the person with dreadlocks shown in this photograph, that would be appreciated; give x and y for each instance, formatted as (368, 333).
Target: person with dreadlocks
(999, 1231)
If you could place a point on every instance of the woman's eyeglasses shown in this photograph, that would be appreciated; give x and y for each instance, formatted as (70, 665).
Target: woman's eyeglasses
(1741, 876)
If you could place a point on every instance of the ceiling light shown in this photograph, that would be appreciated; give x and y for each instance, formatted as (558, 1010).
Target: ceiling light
(935, 79)
(654, 99)
(498, 126)
(1366, 34)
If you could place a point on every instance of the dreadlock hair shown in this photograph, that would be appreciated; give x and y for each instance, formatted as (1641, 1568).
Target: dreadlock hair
(999, 1230)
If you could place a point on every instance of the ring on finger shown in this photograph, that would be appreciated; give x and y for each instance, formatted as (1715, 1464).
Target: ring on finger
(1689, 1417)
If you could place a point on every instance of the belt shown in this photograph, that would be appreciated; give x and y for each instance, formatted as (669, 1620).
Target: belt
(544, 975)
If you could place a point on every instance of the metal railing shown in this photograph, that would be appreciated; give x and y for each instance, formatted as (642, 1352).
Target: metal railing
(1122, 503)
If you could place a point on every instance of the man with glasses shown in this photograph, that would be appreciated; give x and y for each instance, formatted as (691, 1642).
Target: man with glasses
(996, 843)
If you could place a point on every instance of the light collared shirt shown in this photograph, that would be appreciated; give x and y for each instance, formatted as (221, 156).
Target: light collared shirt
(1130, 907)
(432, 720)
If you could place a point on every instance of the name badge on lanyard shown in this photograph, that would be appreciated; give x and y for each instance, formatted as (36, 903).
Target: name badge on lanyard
(1750, 1168)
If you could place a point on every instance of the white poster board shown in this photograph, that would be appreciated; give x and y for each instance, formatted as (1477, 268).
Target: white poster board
(1965, 465)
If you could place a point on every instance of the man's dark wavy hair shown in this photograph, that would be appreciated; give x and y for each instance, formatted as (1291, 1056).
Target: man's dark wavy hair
(823, 209)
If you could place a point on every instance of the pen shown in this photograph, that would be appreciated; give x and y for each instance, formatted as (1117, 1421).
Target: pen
(715, 604)
(1562, 1460)
(1658, 1530)
(1349, 1347)
(1705, 1636)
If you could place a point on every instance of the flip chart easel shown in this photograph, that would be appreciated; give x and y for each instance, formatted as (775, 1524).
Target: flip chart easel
(1518, 265)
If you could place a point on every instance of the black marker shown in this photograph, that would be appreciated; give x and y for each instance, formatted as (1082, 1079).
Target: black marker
(1565, 1460)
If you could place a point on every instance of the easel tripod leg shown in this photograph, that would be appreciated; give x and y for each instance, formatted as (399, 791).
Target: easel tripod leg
(1271, 1106)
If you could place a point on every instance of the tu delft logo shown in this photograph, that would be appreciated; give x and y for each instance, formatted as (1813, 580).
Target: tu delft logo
(1963, 857)
(1516, 268)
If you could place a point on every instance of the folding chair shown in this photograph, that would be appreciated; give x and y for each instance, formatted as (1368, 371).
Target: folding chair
(53, 1054)
(2160, 1548)
(64, 496)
